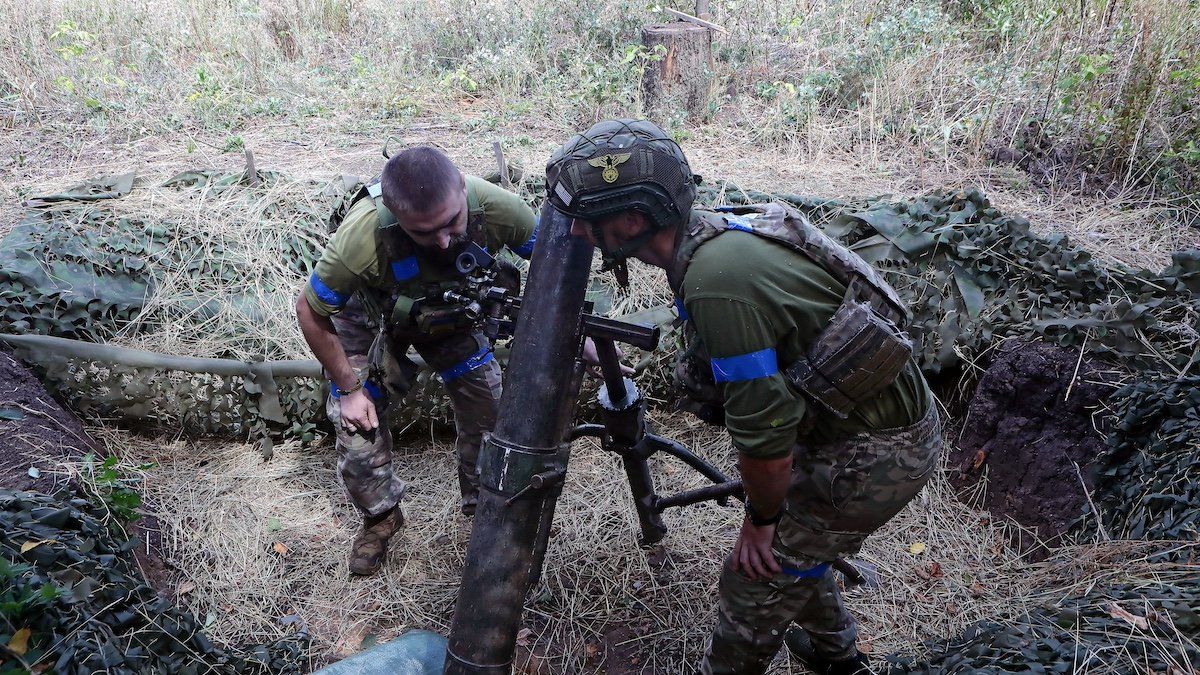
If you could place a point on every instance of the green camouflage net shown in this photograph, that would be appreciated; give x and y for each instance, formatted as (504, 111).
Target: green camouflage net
(80, 269)
(1148, 628)
(72, 590)
(1148, 479)
(198, 404)
(84, 269)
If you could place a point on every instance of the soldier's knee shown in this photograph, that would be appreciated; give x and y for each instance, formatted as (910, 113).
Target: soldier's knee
(359, 452)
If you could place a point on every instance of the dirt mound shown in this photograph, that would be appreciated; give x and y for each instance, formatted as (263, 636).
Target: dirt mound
(36, 433)
(1029, 430)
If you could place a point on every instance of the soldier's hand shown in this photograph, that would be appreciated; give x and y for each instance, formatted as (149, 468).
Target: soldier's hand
(358, 412)
(752, 556)
(592, 359)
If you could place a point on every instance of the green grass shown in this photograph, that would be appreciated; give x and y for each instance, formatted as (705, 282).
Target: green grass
(1110, 85)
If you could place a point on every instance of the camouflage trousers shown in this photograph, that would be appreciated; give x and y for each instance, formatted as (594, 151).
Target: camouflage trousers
(841, 492)
(474, 387)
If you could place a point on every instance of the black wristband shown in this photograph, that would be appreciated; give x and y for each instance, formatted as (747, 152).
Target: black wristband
(757, 520)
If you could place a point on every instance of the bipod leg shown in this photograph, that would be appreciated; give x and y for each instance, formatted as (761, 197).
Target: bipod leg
(624, 430)
(641, 485)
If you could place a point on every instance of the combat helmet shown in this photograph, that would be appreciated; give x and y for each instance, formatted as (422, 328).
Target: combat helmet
(620, 165)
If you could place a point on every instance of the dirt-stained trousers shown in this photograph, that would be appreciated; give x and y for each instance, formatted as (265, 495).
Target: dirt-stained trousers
(472, 376)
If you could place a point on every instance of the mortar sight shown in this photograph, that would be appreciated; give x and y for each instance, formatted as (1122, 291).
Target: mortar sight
(473, 258)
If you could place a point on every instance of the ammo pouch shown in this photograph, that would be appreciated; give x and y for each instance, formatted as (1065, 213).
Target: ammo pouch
(383, 366)
(384, 369)
(857, 356)
(864, 347)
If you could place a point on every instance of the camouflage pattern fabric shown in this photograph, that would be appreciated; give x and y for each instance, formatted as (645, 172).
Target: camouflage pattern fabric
(752, 618)
(365, 459)
(841, 493)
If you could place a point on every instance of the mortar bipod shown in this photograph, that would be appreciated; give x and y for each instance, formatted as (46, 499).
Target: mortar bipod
(624, 433)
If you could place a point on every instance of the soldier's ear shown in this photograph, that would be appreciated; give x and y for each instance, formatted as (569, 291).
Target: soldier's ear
(642, 220)
(629, 223)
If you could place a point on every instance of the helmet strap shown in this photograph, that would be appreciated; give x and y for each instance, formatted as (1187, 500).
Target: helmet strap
(616, 261)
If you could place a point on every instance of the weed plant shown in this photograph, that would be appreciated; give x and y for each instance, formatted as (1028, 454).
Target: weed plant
(1098, 95)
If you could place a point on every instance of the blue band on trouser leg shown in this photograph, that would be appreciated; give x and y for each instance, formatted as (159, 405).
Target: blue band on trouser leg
(371, 388)
(477, 360)
(810, 573)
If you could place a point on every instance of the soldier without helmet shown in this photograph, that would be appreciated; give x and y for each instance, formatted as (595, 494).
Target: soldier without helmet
(798, 347)
(398, 241)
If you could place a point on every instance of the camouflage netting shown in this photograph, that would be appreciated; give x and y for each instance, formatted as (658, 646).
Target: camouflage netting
(76, 267)
(1106, 631)
(1148, 480)
(70, 592)
(971, 274)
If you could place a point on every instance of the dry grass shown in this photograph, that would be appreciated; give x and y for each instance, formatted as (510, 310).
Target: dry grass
(875, 96)
(250, 315)
(254, 542)
(316, 87)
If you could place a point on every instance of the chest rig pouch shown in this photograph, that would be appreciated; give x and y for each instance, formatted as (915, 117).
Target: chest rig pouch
(387, 310)
(863, 348)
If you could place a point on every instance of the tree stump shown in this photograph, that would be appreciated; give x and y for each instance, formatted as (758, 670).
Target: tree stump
(680, 79)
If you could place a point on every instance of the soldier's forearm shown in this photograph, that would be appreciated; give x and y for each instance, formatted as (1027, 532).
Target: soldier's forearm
(323, 341)
(766, 482)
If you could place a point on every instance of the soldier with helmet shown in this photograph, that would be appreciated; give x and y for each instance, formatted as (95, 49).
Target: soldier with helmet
(805, 361)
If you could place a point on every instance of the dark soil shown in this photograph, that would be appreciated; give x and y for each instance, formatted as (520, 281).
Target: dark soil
(44, 435)
(47, 434)
(1034, 443)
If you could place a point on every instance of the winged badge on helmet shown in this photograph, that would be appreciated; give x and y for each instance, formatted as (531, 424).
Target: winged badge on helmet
(610, 163)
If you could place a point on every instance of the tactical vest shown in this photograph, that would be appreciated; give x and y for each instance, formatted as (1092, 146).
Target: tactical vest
(393, 244)
(388, 308)
(864, 347)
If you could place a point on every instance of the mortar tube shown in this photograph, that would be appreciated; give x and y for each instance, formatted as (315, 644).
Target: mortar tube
(539, 551)
(502, 555)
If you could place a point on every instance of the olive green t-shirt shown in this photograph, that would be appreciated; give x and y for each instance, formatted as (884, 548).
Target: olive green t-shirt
(756, 307)
(354, 257)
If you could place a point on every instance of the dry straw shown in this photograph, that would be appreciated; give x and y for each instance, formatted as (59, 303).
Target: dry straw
(254, 545)
(223, 511)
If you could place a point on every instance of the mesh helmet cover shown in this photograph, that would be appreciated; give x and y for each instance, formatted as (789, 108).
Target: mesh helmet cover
(620, 165)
